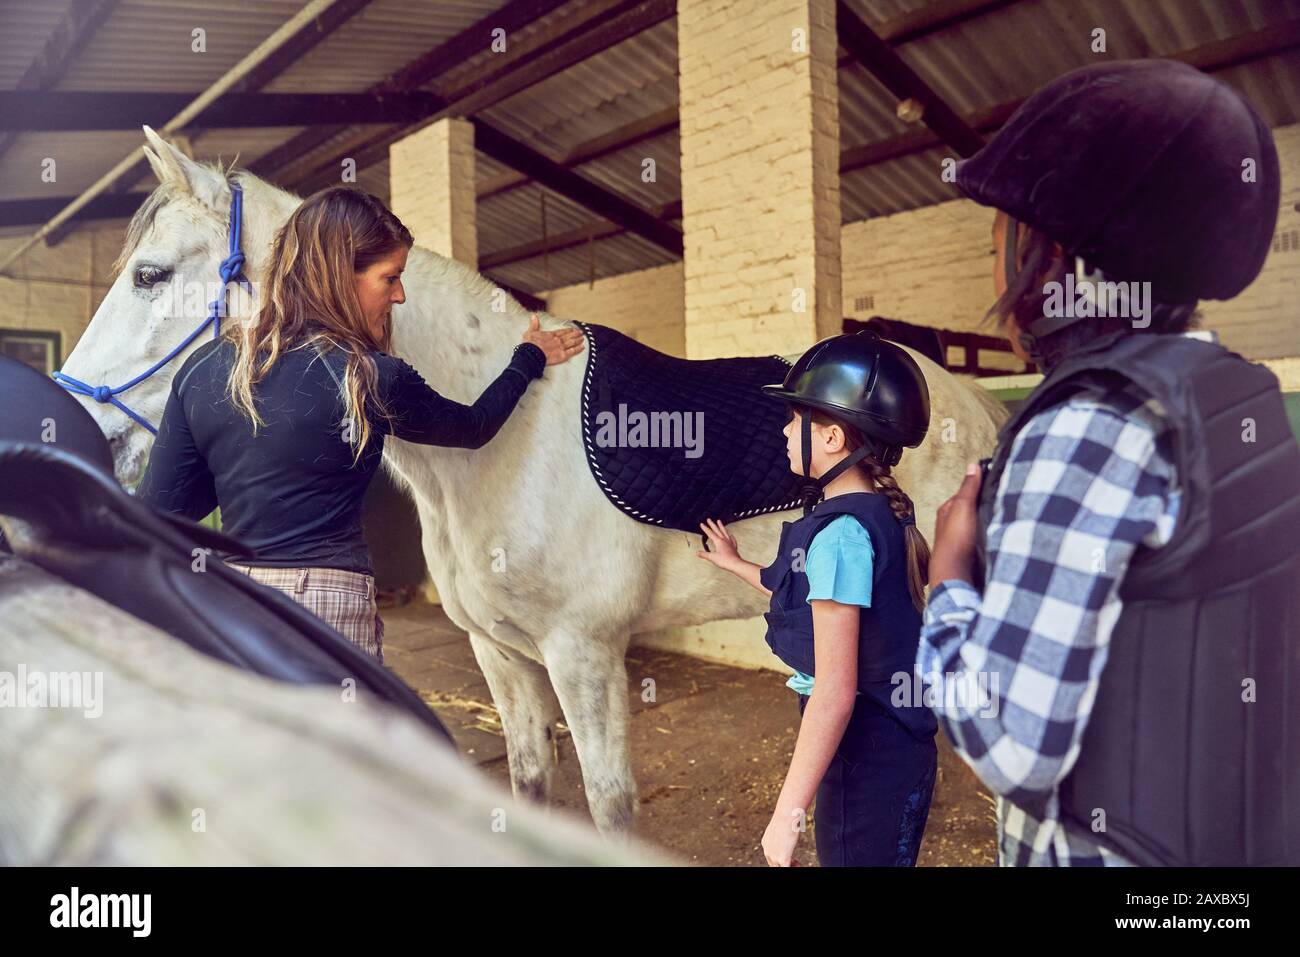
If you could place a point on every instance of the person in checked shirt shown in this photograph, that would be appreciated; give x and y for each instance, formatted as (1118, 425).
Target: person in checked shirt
(1119, 576)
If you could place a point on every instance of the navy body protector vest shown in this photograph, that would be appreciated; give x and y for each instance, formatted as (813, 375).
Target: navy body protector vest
(1191, 755)
(888, 631)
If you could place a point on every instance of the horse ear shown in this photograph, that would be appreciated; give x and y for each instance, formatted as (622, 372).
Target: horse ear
(170, 165)
(159, 169)
(165, 159)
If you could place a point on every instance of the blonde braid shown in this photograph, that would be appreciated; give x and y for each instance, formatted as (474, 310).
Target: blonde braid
(881, 478)
(918, 550)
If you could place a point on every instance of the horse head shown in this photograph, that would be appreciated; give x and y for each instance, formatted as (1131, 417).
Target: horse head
(160, 307)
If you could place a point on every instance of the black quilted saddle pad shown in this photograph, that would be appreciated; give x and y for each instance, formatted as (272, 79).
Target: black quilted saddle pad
(674, 441)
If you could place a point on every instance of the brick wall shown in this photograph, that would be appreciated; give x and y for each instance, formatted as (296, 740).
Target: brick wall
(1264, 321)
(648, 305)
(59, 288)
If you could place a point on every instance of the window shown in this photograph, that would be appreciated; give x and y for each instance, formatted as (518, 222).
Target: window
(40, 350)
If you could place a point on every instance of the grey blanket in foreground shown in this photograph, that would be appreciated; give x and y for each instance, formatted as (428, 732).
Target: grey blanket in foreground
(179, 759)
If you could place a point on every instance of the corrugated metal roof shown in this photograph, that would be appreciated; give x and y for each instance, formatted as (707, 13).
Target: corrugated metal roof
(612, 257)
(81, 157)
(1011, 52)
(884, 188)
(629, 80)
(518, 214)
(24, 28)
(380, 39)
(1006, 55)
(992, 58)
(148, 44)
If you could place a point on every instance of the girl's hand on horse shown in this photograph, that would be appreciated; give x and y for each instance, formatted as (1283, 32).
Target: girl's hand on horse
(779, 841)
(955, 528)
(560, 345)
(723, 550)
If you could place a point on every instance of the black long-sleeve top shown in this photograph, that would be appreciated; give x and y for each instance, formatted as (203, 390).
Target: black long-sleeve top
(291, 492)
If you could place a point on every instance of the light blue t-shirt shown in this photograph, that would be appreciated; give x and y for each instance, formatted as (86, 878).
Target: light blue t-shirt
(839, 567)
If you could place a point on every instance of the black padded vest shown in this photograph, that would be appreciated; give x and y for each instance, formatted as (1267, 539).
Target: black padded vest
(1192, 749)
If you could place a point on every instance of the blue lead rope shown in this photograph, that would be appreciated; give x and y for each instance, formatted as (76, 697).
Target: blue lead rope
(232, 270)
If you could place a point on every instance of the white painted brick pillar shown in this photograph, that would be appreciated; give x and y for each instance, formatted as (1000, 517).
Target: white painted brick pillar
(432, 191)
(760, 175)
(431, 175)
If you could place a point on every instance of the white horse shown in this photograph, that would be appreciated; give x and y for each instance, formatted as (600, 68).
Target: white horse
(528, 556)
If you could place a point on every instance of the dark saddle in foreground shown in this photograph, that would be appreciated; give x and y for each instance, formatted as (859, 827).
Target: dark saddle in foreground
(161, 568)
(672, 441)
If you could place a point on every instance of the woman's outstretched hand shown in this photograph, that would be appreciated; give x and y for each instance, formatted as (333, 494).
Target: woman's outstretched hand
(560, 345)
(723, 550)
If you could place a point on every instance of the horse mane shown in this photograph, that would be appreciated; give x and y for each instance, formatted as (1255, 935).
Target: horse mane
(477, 286)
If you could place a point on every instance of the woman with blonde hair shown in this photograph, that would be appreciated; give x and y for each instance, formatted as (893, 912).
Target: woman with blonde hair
(281, 423)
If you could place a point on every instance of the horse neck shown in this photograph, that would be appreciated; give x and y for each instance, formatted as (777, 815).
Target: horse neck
(447, 330)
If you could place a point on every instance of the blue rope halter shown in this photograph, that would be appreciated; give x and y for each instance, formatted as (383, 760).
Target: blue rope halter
(232, 270)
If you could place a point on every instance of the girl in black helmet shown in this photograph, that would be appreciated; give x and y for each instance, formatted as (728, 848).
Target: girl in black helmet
(847, 588)
(1124, 570)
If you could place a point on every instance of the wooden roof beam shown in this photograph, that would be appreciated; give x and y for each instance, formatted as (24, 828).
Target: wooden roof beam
(629, 134)
(27, 212)
(935, 16)
(1210, 57)
(902, 81)
(552, 244)
(293, 49)
(590, 232)
(525, 299)
(82, 20)
(470, 42)
(129, 111)
(306, 40)
(570, 185)
(611, 25)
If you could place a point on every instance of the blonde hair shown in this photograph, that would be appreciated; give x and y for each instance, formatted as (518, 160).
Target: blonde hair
(310, 300)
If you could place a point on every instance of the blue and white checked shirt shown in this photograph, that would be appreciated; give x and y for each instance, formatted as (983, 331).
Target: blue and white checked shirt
(1086, 482)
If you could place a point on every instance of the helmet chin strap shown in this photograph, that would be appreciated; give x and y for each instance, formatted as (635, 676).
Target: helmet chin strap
(814, 489)
(1085, 281)
(1010, 269)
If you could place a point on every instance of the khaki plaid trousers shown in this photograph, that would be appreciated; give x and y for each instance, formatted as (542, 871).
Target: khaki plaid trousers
(343, 600)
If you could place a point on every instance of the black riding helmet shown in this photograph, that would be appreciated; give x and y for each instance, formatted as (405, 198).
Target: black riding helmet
(1147, 170)
(866, 382)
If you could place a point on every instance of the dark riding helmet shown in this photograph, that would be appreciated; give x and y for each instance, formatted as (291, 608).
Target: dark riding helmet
(866, 382)
(1148, 170)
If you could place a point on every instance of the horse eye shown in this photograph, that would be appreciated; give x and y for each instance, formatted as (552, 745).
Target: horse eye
(147, 276)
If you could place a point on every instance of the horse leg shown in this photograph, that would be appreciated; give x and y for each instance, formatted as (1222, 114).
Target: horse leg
(590, 680)
(526, 702)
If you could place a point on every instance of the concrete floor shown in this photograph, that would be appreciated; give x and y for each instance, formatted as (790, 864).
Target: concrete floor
(709, 754)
